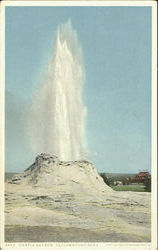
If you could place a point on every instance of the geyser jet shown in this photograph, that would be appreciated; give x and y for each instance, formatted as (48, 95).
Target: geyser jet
(58, 112)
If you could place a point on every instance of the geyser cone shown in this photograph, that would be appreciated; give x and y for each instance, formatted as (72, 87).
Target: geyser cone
(58, 113)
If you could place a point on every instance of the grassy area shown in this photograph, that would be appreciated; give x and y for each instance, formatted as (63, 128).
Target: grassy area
(135, 188)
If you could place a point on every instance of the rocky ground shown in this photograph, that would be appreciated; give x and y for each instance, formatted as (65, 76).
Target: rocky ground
(68, 201)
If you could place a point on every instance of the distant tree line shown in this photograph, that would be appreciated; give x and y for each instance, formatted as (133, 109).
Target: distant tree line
(125, 181)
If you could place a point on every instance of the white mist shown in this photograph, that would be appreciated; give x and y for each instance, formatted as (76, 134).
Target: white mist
(57, 111)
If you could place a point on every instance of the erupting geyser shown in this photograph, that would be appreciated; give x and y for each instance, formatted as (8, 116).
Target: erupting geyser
(57, 111)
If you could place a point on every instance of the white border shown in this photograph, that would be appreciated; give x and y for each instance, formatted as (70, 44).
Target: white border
(154, 130)
(78, 246)
(80, 3)
(2, 122)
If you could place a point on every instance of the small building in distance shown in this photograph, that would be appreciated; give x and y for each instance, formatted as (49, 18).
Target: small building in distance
(118, 183)
(140, 177)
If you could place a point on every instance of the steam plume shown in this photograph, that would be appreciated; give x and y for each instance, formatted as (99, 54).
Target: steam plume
(57, 111)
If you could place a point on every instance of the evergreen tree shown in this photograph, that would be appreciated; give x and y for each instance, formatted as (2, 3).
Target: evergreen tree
(147, 184)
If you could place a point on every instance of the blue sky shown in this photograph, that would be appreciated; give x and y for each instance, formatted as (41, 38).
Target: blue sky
(116, 43)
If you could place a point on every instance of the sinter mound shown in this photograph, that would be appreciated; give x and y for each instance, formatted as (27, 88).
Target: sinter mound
(69, 201)
(49, 171)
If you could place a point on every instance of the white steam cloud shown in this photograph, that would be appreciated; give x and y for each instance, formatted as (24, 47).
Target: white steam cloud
(57, 110)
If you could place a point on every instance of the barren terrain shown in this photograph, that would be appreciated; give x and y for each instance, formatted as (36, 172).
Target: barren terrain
(68, 201)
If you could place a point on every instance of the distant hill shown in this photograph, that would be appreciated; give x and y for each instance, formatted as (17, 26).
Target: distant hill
(110, 175)
(8, 176)
(119, 176)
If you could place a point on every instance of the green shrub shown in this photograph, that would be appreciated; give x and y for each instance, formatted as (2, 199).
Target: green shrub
(103, 175)
(147, 184)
